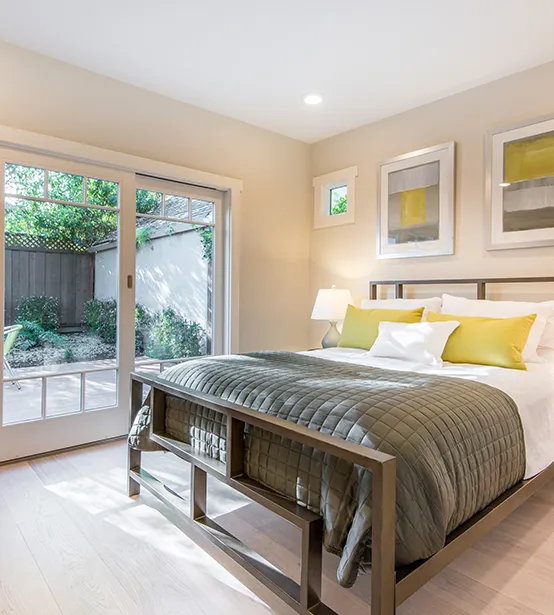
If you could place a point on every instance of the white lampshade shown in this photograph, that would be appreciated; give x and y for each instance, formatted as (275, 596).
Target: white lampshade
(331, 304)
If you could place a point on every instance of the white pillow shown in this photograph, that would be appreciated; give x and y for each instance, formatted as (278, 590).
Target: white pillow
(508, 309)
(421, 342)
(546, 354)
(547, 339)
(433, 304)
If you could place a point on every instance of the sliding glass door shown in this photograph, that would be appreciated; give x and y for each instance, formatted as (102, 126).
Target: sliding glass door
(179, 272)
(102, 271)
(66, 284)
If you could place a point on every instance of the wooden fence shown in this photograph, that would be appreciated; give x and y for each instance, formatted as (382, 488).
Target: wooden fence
(36, 270)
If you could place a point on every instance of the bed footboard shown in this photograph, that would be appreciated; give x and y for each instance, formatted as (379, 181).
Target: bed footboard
(304, 597)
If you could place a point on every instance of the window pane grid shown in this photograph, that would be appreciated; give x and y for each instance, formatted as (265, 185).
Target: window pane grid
(43, 392)
(174, 207)
(48, 254)
(35, 184)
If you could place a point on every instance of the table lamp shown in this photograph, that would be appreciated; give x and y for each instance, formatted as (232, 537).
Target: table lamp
(331, 304)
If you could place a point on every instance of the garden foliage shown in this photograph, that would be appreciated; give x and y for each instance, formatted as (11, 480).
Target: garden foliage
(160, 335)
(44, 311)
(100, 317)
(172, 337)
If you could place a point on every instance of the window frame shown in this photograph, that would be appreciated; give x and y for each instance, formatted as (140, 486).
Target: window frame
(323, 187)
(35, 437)
(222, 234)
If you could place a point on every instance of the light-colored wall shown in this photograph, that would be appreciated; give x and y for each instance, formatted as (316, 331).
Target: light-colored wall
(346, 255)
(46, 96)
(283, 260)
(170, 272)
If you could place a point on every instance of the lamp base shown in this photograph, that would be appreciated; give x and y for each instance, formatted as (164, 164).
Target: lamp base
(332, 337)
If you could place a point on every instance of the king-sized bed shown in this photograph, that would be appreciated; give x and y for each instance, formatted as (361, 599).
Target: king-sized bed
(393, 465)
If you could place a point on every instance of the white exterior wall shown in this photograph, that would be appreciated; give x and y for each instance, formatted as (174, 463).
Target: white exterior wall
(170, 272)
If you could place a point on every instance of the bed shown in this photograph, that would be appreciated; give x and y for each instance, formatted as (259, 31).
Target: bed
(393, 466)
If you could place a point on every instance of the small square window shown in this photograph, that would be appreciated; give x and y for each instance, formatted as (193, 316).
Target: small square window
(338, 200)
(334, 198)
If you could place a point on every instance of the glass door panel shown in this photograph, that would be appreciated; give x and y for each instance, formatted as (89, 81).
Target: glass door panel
(175, 233)
(67, 342)
(60, 290)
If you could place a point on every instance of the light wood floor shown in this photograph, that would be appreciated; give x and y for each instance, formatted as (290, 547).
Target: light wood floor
(72, 543)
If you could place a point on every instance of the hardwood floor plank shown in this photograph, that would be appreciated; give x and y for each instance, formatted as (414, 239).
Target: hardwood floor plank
(506, 577)
(84, 544)
(19, 572)
(167, 570)
(76, 576)
(473, 597)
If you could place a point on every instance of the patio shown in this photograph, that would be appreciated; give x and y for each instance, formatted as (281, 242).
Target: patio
(63, 389)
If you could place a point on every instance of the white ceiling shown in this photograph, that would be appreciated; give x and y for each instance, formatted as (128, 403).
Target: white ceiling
(254, 60)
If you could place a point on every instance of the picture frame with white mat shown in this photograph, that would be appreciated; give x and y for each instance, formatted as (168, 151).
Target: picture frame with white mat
(519, 185)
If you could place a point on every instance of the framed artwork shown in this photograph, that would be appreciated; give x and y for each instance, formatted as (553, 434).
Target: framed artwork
(416, 204)
(520, 185)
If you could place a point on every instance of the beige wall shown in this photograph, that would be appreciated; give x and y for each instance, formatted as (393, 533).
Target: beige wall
(346, 255)
(53, 98)
(283, 260)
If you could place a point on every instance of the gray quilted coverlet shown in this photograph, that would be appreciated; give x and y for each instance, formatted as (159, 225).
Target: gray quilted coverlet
(458, 443)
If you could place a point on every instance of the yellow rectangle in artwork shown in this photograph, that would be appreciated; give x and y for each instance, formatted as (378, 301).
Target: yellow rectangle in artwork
(413, 207)
(529, 158)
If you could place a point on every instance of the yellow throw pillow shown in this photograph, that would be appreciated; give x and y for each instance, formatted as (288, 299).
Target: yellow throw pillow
(487, 341)
(361, 327)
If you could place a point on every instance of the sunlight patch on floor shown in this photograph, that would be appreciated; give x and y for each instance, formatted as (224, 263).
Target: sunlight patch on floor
(151, 527)
(102, 495)
(90, 495)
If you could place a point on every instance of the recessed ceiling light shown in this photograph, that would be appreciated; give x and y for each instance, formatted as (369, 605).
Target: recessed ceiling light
(504, 185)
(313, 99)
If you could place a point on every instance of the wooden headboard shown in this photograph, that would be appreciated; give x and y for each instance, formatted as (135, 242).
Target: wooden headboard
(481, 284)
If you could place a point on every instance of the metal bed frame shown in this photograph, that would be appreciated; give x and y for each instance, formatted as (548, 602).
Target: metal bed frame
(389, 587)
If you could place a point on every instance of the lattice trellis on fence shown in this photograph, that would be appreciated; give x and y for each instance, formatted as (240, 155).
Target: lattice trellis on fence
(38, 242)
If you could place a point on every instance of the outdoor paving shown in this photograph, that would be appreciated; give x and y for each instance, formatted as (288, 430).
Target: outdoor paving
(63, 390)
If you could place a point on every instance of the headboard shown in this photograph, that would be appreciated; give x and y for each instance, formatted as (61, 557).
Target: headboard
(481, 284)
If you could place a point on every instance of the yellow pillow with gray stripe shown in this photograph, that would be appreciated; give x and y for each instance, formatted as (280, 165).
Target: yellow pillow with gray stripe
(361, 327)
(487, 341)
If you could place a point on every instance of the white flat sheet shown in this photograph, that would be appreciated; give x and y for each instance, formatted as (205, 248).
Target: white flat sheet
(532, 391)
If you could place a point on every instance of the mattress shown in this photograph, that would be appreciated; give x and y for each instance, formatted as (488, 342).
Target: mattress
(458, 444)
(531, 390)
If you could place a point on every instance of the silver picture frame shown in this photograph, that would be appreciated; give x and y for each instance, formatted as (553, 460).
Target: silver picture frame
(503, 233)
(430, 172)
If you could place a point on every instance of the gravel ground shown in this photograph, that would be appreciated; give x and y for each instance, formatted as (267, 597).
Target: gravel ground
(77, 347)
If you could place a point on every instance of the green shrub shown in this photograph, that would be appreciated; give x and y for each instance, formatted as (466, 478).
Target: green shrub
(143, 319)
(161, 335)
(143, 236)
(44, 311)
(172, 337)
(100, 317)
(32, 335)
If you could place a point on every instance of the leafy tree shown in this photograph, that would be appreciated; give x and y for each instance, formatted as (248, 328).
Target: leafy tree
(340, 205)
(81, 226)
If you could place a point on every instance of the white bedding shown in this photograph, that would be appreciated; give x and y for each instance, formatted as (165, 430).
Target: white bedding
(532, 391)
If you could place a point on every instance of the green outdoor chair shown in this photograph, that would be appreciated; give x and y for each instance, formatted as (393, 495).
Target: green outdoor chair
(10, 334)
